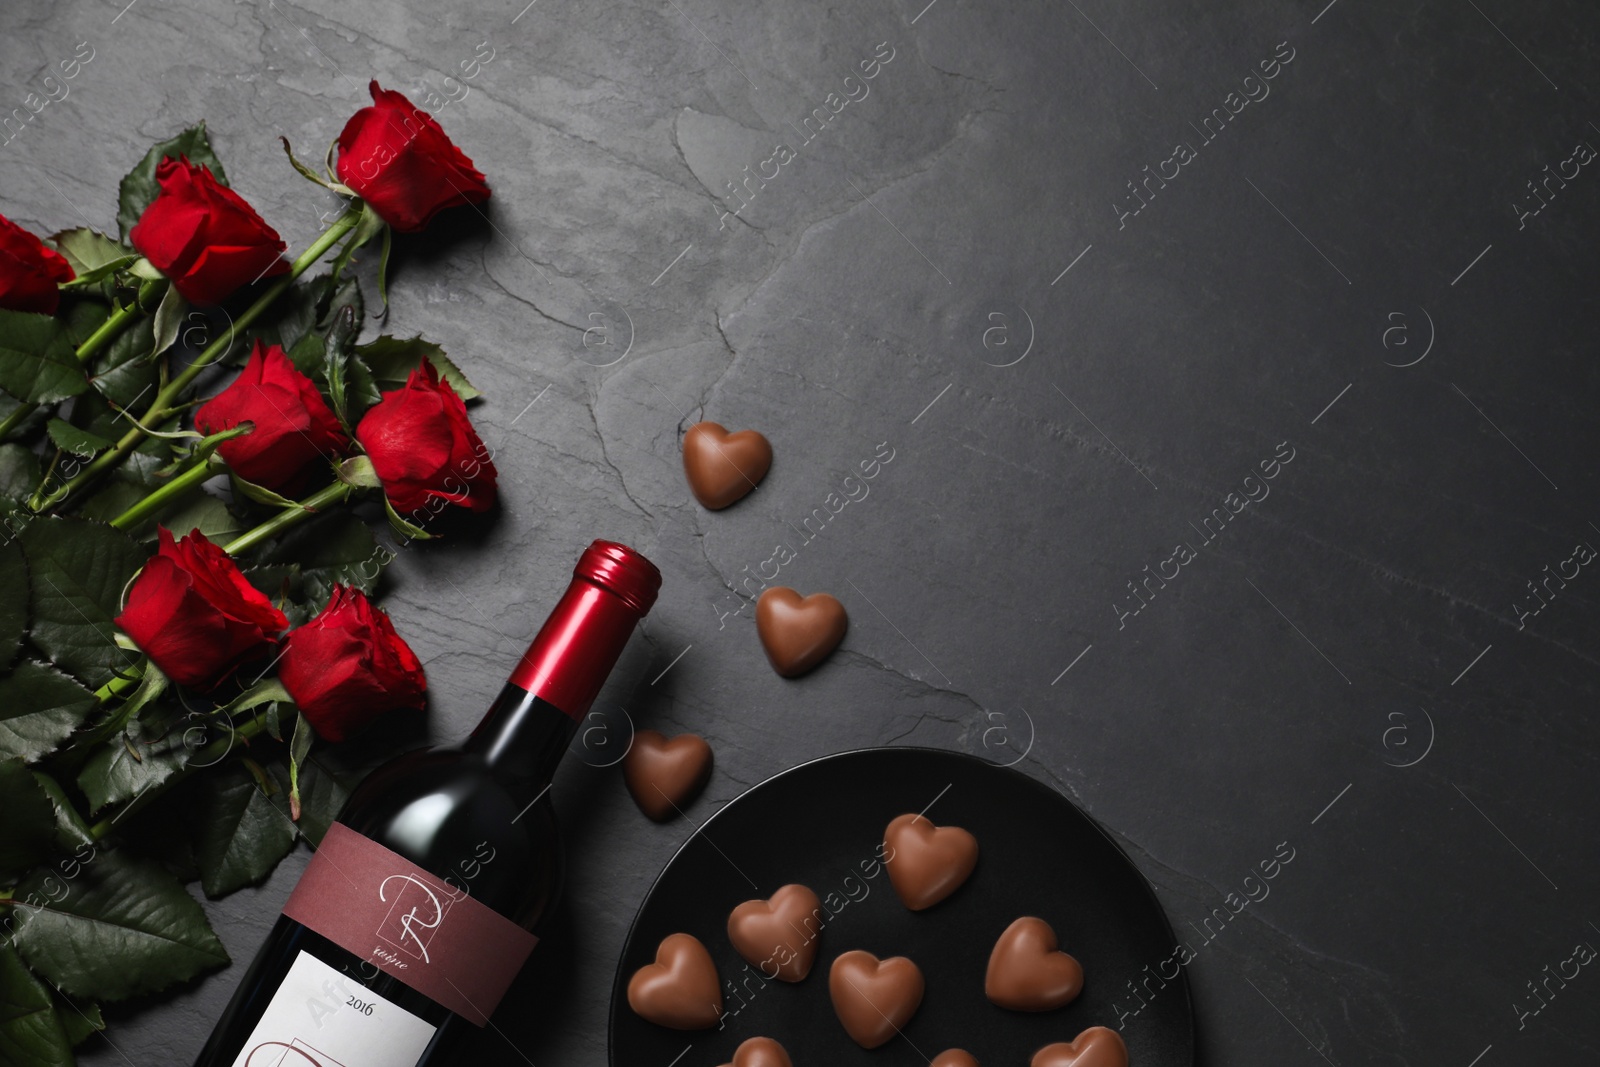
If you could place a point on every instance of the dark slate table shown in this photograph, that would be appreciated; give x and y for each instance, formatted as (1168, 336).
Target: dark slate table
(1088, 272)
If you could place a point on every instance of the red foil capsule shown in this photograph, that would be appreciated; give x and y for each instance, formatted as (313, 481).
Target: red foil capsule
(613, 587)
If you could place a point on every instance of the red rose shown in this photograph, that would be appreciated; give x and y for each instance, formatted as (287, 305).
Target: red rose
(194, 615)
(203, 235)
(293, 424)
(347, 666)
(398, 159)
(30, 271)
(424, 449)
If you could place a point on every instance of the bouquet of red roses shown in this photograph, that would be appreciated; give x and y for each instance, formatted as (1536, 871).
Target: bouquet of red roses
(185, 610)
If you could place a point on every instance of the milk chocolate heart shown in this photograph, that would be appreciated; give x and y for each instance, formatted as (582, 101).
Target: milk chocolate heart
(1095, 1047)
(874, 998)
(779, 935)
(721, 466)
(1028, 972)
(956, 1057)
(926, 862)
(798, 632)
(680, 990)
(665, 775)
(760, 1052)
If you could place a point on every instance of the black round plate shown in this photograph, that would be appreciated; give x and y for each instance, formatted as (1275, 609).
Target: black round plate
(821, 824)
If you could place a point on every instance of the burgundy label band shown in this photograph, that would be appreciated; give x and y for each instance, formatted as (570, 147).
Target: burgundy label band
(434, 937)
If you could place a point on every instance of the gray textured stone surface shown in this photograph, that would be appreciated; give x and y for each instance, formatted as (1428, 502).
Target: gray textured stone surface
(847, 306)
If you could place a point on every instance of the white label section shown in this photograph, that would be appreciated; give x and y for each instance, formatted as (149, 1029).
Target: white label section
(320, 1018)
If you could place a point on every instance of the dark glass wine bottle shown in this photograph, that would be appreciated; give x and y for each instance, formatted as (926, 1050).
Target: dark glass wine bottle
(418, 907)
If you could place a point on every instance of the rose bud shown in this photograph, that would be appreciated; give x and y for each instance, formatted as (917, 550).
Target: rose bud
(204, 236)
(30, 271)
(347, 666)
(398, 159)
(293, 424)
(424, 449)
(195, 615)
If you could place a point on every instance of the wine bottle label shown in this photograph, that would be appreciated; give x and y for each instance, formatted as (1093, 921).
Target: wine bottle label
(321, 1018)
(434, 937)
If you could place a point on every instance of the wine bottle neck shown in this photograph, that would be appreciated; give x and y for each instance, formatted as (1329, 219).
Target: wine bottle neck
(530, 724)
(577, 647)
(522, 737)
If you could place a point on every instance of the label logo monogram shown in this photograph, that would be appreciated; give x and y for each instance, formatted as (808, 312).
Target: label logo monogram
(416, 913)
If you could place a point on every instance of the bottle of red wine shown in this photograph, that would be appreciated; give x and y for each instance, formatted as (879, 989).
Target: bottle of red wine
(420, 905)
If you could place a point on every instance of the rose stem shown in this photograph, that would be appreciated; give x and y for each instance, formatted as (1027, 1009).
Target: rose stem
(208, 756)
(70, 759)
(120, 684)
(335, 493)
(103, 335)
(175, 488)
(163, 405)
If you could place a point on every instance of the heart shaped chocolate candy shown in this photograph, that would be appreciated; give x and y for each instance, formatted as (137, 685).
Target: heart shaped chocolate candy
(798, 632)
(722, 467)
(926, 862)
(956, 1057)
(874, 998)
(779, 935)
(680, 990)
(1027, 970)
(663, 775)
(1095, 1047)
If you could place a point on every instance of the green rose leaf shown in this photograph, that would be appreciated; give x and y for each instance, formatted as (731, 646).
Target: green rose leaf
(301, 319)
(72, 833)
(79, 570)
(294, 317)
(244, 832)
(113, 497)
(30, 1029)
(132, 480)
(92, 413)
(392, 359)
(336, 360)
(69, 438)
(39, 709)
(13, 599)
(333, 372)
(30, 835)
(83, 314)
(168, 320)
(92, 254)
(38, 364)
(139, 188)
(335, 549)
(123, 374)
(124, 927)
(207, 514)
(128, 764)
(19, 473)
(361, 391)
(79, 1020)
(88, 249)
